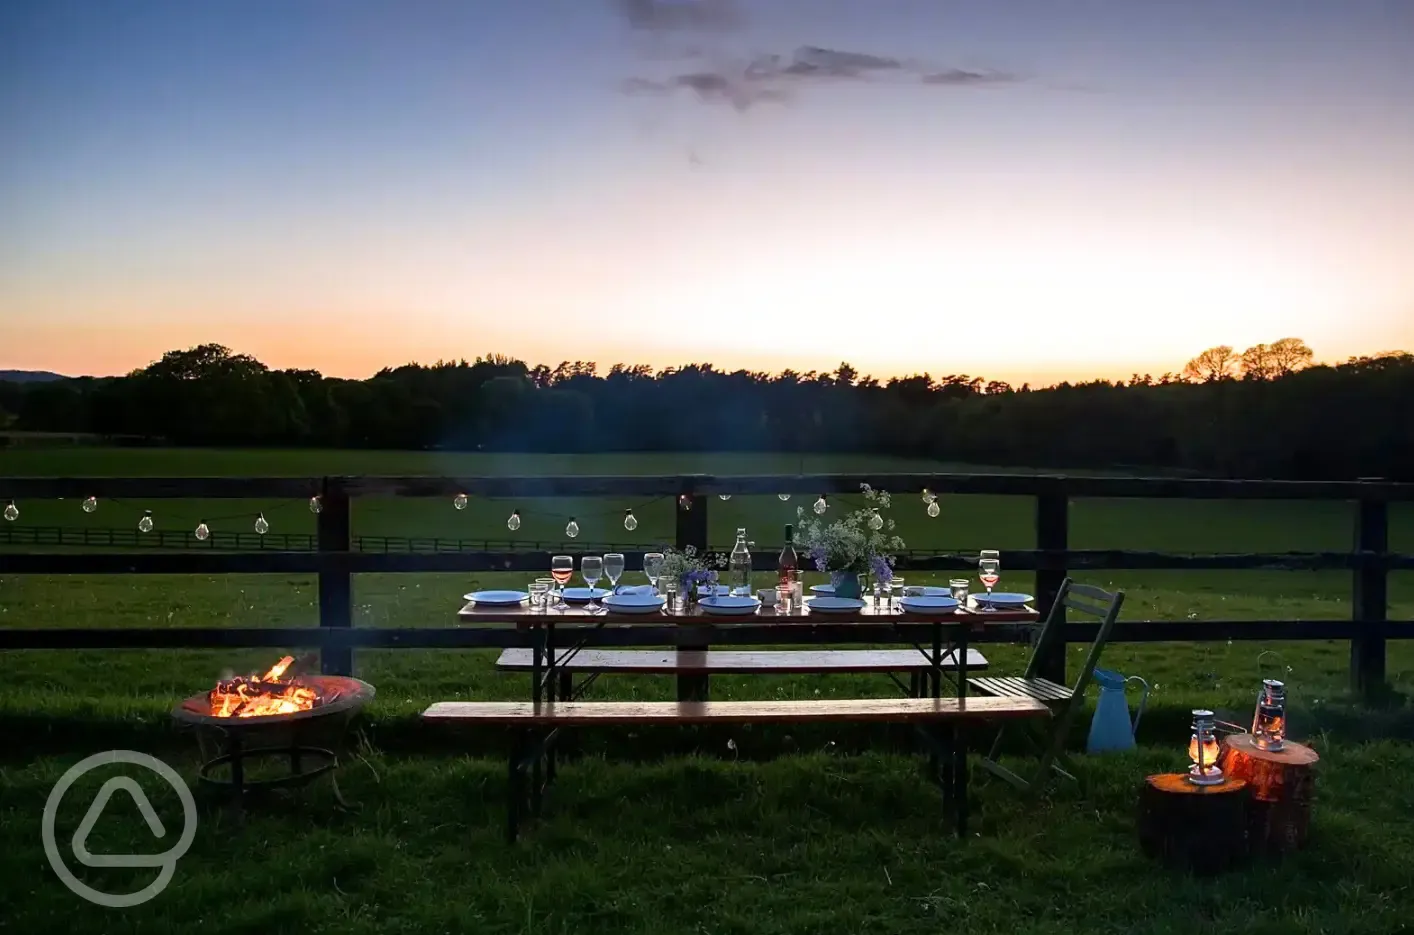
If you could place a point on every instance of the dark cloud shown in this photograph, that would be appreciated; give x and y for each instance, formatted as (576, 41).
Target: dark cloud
(958, 78)
(834, 63)
(681, 15)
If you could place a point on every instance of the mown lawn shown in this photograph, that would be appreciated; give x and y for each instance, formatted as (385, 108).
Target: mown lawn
(670, 831)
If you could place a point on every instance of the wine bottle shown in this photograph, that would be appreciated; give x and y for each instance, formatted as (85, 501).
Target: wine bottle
(787, 567)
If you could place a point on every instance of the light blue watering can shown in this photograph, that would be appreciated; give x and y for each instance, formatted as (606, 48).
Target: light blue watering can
(1111, 728)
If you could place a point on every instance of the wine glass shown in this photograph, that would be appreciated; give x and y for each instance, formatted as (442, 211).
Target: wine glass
(653, 567)
(562, 570)
(614, 569)
(989, 570)
(591, 569)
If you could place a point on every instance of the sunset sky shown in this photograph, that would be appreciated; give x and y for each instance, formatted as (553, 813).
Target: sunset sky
(1024, 189)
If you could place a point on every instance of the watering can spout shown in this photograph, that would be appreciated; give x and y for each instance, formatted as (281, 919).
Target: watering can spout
(1111, 727)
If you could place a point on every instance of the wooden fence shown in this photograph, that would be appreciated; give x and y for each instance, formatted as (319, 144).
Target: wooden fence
(335, 562)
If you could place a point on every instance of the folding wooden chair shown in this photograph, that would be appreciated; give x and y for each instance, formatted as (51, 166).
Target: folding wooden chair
(1049, 738)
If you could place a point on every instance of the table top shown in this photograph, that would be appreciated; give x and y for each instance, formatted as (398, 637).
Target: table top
(578, 615)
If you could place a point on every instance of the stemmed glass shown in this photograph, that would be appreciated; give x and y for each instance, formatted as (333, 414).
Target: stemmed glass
(562, 570)
(614, 569)
(653, 567)
(989, 570)
(591, 569)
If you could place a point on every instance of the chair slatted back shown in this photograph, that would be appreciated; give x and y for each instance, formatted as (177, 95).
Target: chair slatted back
(1085, 599)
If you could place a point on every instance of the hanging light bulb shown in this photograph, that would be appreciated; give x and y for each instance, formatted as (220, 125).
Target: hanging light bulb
(725, 496)
(934, 509)
(684, 501)
(821, 505)
(202, 532)
(90, 504)
(928, 495)
(876, 522)
(783, 496)
(630, 521)
(261, 526)
(12, 512)
(459, 501)
(145, 524)
(513, 521)
(315, 504)
(572, 528)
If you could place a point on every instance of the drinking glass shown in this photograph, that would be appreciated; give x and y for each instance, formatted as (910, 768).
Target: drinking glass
(653, 567)
(549, 584)
(891, 587)
(562, 570)
(989, 570)
(591, 569)
(538, 589)
(614, 569)
(959, 587)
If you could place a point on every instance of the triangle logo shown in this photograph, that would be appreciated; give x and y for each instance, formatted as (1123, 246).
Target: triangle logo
(100, 801)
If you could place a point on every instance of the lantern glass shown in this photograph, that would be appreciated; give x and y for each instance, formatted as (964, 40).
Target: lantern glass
(1269, 720)
(1203, 751)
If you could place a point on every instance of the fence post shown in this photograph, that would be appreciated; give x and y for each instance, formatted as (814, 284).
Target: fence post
(335, 582)
(1052, 532)
(1369, 608)
(690, 528)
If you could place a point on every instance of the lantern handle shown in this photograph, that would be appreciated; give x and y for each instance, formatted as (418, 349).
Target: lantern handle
(1229, 727)
(1281, 663)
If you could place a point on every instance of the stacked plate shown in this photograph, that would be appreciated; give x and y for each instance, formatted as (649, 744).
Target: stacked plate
(584, 595)
(635, 603)
(496, 598)
(1001, 600)
(723, 605)
(929, 604)
(834, 605)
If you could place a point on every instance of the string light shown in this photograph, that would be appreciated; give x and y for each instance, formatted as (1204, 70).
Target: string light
(821, 505)
(12, 512)
(513, 521)
(459, 501)
(684, 501)
(315, 504)
(90, 504)
(876, 522)
(202, 532)
(261, 526)
(725, 496)
(630, 521)
(928, 495)
(145, 524)
(783, 496)
(933, 509)
(572, 529)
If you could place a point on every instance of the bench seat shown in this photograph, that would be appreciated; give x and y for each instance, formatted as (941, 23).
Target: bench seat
(740, 662)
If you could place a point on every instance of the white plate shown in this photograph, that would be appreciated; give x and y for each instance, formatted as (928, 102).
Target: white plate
(726, 606)
(496, 598)
(834, 605)
(635, 603)
(584, 595)
(930, 604)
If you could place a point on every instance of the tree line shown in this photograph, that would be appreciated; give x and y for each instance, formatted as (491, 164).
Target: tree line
(1268, 411)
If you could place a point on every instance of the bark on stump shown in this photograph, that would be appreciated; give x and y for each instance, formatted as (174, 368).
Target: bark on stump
(1202, 829)
(1282, 785)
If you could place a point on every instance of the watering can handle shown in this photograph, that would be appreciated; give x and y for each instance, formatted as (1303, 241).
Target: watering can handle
(1143, 700)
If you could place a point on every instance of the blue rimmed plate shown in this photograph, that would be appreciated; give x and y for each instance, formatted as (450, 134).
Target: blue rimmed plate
(723, 605)
(584, 595)
(822, 588)
(1003, 599)
(834, 605)
(928, 604)
(635, 603)
(496, 598)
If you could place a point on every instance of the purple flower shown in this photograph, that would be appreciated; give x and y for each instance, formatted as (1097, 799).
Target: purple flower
(818, 555)
(880, 566)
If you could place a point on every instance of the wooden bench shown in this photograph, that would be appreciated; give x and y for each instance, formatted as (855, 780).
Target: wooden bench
(738, 662)
(928, 714)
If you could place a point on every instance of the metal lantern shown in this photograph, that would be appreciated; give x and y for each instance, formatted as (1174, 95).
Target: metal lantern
(1269, 720)
(1203, 751)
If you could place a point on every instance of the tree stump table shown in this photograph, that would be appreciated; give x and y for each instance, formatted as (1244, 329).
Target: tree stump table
(1282, 786)
(1198, 828)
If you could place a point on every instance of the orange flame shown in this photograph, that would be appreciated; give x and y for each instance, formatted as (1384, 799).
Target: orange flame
(258, 697)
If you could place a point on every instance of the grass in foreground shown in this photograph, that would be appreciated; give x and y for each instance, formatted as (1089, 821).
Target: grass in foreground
(804, 843)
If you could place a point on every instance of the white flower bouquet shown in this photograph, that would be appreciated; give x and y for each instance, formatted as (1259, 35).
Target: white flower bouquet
(858, 542)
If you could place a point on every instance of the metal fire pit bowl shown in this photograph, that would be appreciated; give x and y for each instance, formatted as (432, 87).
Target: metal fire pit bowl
(308, 741)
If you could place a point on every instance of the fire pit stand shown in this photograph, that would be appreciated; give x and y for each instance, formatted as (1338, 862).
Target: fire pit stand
(308, 741)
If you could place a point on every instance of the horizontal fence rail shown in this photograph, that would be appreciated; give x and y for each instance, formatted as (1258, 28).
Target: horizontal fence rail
(334, 554)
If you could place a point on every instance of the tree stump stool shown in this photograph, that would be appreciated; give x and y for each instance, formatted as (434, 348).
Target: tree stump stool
(1282, 786)
(1202, 829)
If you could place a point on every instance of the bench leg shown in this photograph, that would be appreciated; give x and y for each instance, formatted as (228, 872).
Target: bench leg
(959, 778)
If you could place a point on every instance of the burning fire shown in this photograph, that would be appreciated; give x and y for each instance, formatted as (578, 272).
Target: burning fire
(249, 696)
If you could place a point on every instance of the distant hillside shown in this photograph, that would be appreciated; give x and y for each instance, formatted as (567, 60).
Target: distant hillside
(30, 376)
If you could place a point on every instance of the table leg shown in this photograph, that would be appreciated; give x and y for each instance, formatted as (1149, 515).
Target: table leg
(959, 777)
(937, 660)
(693, 687)
(959, 658)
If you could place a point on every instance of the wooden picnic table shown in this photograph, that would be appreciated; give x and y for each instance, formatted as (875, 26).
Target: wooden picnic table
(556, 636)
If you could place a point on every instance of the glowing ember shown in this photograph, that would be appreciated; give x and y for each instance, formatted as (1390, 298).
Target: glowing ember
(249, 696)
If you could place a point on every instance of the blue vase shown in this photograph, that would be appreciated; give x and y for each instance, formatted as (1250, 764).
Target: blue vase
(845, 583)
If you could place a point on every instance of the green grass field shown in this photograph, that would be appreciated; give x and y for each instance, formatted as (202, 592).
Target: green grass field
(670, 832)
